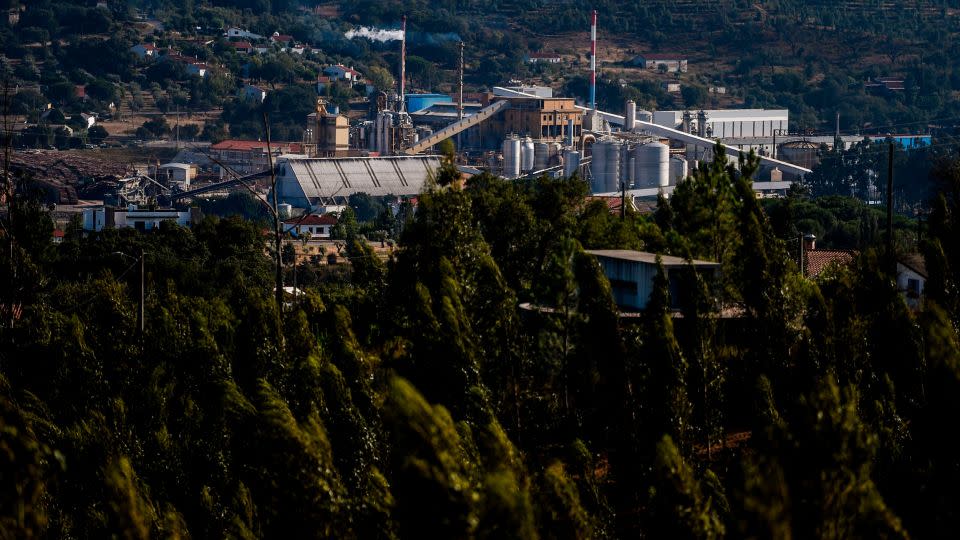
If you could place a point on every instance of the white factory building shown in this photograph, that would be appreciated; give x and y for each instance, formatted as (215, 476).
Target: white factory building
(305, 182)
(727, 123)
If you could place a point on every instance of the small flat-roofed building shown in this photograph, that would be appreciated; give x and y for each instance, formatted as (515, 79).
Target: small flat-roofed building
(632, 273)
(177, 173)
(672, 62)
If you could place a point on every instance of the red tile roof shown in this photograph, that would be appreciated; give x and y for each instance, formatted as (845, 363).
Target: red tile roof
(817, 260)
(242, 45)
(662, 56)
(283, 38)
(544, 55)
(57, 233)
(312, 219)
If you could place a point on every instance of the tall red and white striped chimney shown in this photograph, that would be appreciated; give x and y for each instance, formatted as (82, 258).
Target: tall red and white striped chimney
(403, 62)
(593, 61)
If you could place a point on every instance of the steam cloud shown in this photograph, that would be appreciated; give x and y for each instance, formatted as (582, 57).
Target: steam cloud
(375, 34)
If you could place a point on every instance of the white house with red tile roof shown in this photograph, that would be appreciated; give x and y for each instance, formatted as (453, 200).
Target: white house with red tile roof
(340, 72)
(243, 47)
(672, 61)
(145, 51)
(282, 39)
(316, 225)
(544, 58)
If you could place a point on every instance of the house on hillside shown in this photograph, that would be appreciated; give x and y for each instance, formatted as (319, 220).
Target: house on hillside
(253, 93)
(242, 47)
(912, 279)
(543, 58)
(193, 66)
(631, 275)
(317, 226)
(815, 261)
(340, 72)
(145, 51)
(672, 62)
(282, 39)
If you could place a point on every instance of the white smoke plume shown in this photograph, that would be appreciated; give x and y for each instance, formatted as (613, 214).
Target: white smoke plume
(375, 34)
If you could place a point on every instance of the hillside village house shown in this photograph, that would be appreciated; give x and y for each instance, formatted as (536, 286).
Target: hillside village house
(253, 93)
(342, 73)
(239, 33)
(243, 47)
(145, 51)
(544, 58)
(652, 61)
(316, 226)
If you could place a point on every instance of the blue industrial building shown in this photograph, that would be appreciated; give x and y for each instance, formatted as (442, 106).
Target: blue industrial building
(418, 102)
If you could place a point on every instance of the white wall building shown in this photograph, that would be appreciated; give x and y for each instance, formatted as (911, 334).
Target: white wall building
(97, 219)
(730, 123)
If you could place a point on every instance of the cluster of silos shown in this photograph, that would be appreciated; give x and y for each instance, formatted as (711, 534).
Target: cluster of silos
(381, 140)
(646, 165)
(545, 154)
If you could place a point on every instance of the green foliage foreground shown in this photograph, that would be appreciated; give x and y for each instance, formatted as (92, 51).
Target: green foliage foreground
(416, 399)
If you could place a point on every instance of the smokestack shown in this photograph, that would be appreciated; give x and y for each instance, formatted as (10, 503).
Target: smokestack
(403, 62)
(593, 61)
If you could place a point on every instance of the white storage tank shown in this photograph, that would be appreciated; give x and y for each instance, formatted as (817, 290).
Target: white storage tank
(541, 156)
(526, 154)
(644, 115)
(630, 116)
(571, 163)
(652, 166)
(606, 168)
(678, 170)
(511, 157)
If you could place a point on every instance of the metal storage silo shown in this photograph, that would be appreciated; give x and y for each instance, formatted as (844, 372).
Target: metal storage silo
(644, 115)
(571, 163)
(511, 157)
(631, 115)
(541, 156)
(678, 170)
(526, 154)
(606, 154)
(626, 165)
(802, 153)
(653, 165)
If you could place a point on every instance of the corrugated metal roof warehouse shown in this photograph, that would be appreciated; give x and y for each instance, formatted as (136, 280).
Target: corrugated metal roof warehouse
(303, 181)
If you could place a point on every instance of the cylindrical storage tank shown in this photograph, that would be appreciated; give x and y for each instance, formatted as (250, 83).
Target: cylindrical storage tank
(612, 182)
(606, 168)
(678, 170)
(598, 167)
(571, 163)
(511, 157)
(652, 165)
(284, 210)
(631, 115)
(526, 154)
(626, 175)
(802, 153)
(644, 115)
(541, 156)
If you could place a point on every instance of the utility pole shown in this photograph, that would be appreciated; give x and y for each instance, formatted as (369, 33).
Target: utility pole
(890, 206)
(460, 102)
(141, 313)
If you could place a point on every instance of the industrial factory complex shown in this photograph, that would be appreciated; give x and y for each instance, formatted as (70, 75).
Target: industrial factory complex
(514, 131)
